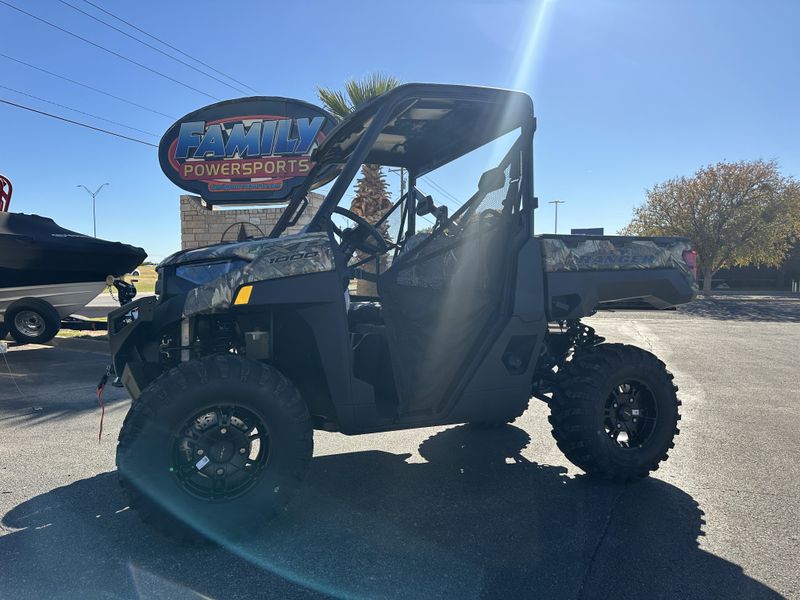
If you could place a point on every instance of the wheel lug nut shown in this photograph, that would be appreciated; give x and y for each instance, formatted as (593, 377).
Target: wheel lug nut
(615, 405)
(630, 400)
(200, 452)
(242, 450)
(619, 425)
(223, 431)
(220, 471)
(634, 419)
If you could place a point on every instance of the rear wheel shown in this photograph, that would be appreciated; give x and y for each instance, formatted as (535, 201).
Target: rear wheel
(214, 448)
(615, 411)
(32, 321)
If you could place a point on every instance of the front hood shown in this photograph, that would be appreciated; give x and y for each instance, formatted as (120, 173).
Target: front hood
(226, 250)
(267, 258)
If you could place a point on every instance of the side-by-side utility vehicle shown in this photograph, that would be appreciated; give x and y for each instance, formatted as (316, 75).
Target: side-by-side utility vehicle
(249, 346)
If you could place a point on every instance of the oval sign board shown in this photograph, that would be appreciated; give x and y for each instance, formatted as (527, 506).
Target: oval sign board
(249, 150)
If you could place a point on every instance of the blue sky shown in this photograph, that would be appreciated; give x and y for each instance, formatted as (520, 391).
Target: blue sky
(627, 92)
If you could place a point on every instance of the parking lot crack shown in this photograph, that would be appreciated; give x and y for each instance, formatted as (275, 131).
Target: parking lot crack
(588, 570)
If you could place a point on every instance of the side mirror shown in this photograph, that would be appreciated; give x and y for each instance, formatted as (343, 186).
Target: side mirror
(491, 180)
(425, 206)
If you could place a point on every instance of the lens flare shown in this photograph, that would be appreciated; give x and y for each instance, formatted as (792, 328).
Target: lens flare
(532, 51)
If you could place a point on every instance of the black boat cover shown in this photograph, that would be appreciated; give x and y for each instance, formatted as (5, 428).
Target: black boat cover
(34, 250)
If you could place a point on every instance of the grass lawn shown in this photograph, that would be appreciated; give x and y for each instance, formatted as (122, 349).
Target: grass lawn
(83, 334)
(146, 281)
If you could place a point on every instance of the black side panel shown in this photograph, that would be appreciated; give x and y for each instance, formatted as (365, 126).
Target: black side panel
(437, 308)
(572, 295)
(314, 288)
(318, 300)
(503, 378)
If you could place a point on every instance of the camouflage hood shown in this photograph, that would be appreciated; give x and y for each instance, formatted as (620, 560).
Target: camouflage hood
(267, 258)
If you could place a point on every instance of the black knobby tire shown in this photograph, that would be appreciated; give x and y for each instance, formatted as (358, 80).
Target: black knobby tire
(32, 321)
(585, 414)
(150, 458)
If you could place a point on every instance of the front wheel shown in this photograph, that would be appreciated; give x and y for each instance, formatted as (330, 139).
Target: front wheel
(614, 411)
(214, 448)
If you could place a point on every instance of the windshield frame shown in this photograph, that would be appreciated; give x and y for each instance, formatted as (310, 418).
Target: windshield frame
(371, 119)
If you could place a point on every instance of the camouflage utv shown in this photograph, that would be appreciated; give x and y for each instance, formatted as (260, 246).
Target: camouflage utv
(251, 346)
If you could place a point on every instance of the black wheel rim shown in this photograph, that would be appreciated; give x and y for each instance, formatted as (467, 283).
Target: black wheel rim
(220, 452)
(29, 323)
(630, 415)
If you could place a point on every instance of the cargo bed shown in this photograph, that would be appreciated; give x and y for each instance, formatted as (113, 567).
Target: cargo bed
(584, 273)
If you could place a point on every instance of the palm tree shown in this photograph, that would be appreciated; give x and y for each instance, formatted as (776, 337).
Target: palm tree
(372, 198)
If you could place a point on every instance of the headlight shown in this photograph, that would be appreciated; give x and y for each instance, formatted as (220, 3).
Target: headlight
(200, 273)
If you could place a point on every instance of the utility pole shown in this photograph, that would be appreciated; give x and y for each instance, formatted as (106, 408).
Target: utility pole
(93, 194)
(411, 225)
(402, 172)
(556, 202)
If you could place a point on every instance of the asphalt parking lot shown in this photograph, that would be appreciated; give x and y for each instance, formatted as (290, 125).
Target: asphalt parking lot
(440, 512)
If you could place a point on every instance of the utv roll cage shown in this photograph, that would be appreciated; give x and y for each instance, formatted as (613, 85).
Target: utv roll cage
(418, 127)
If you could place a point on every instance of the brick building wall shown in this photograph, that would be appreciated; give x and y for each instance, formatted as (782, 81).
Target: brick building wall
(201, 226)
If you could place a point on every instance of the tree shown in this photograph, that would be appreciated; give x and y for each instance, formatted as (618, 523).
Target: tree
(736, 214)
(372, 197)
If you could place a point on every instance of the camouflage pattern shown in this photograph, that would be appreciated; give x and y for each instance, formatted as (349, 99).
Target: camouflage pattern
(270, 258)
(576, 253)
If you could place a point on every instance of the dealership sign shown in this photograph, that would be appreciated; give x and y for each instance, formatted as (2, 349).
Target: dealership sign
(248, 150)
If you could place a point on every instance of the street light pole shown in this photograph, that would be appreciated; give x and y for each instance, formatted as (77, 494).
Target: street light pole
(93, 194)
(556, 202)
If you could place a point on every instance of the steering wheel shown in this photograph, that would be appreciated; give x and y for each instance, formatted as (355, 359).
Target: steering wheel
(364, 237)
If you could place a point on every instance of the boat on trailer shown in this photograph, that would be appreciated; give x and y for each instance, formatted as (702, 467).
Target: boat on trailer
(48, 272)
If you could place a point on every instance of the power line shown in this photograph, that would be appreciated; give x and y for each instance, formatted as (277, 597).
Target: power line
(442, 191)
(440, 188)
(159, 50)
(77, 110)
(103, 48)
(168, 45)
(52, 116)
(88, 87)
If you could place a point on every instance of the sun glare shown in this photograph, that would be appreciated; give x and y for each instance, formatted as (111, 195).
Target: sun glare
(532, 45)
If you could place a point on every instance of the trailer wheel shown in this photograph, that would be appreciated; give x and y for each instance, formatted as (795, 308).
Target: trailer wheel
(214, 448)
(615, 411)
(32, 321)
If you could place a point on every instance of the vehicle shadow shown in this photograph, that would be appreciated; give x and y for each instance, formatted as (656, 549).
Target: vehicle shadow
(477, 520)
(733, 307)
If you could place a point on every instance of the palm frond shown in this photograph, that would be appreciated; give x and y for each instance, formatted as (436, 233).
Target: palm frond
(374, 84)
(356, 92)
(334, 102)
